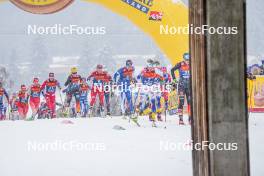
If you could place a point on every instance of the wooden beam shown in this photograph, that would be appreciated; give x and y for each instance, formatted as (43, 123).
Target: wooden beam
(218, 88)
(199, 97)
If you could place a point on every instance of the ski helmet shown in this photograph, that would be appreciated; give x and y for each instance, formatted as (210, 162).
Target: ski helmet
(35, 80)
(186, 56)
(156, 63)
(23, 87)
(51, 75)
(83, 79)
(129, 63)
(150, 63)
(99, 66)
(14, 94)
(74, 70)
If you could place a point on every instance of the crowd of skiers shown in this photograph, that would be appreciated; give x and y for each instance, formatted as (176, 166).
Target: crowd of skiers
(81, 93)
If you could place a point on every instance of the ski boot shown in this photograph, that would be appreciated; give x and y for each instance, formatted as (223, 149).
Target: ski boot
(108, 114)
(190, 120)
(154, 124)
(159, 117)
(102, 115)
(90, 112)
(134, 119)
(181, 122)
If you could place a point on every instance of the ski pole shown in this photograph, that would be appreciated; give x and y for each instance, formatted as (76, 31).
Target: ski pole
(8, 110)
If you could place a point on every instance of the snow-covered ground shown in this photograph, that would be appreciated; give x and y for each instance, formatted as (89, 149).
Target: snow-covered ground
(256, 144)
(52, 147)
(130, 152)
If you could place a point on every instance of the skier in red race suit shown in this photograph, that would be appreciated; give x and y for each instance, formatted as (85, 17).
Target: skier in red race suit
(108, 92)
(23, 97)
(97, 79)
(2, 106)
(34, 93)
(49, 87)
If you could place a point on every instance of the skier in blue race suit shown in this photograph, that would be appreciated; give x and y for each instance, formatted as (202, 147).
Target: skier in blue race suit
(3, 94)
(124, 77)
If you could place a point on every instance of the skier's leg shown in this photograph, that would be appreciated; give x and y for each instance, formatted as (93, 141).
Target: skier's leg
(77, 100)
(53, 105)
(107, 102)
(50, 100)
(20, 111)
(82, 108)
(68, 99)
(181, 104)
(188, 96)
(86, 106)
(34, 105)
(93, 97)
(25, 110)
(1, 112)
(159, 108)
(129, 101)
(153, 108)
(101, 99)
(122, 102)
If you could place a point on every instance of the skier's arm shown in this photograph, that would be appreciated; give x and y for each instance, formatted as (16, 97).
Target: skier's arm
(30, 91)
(68, 81)
(174, 69)
(117, 75)
(43, 86)
(58, 85)
(134, 78)
(6, 95)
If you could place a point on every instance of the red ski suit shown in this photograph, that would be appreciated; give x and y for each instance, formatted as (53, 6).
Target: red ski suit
(49, 87)
(97, 79)
(34, 100)
(23, 104)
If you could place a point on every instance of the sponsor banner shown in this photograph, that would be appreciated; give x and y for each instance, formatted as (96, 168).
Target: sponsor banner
(255, 94)
(157, 18)
(42, 6)
(153, 15)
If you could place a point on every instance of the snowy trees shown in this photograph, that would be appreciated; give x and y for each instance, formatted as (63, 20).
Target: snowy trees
(5, 78)
(93, 55)
(39, 60)
(105, 57)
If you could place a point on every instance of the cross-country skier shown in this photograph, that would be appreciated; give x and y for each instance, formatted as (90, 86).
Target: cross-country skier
(165, 84)
(183, 85)
(23, 97)
(84, 89)
(108, 92)
(44, 111)
(73, 88)
(97, 79)
(14, 101)
(34, 92)
(3, 94)
(124, 78)
(49, 90)
(151, 79)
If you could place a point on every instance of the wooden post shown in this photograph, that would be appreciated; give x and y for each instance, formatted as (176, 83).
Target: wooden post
(218, 88)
